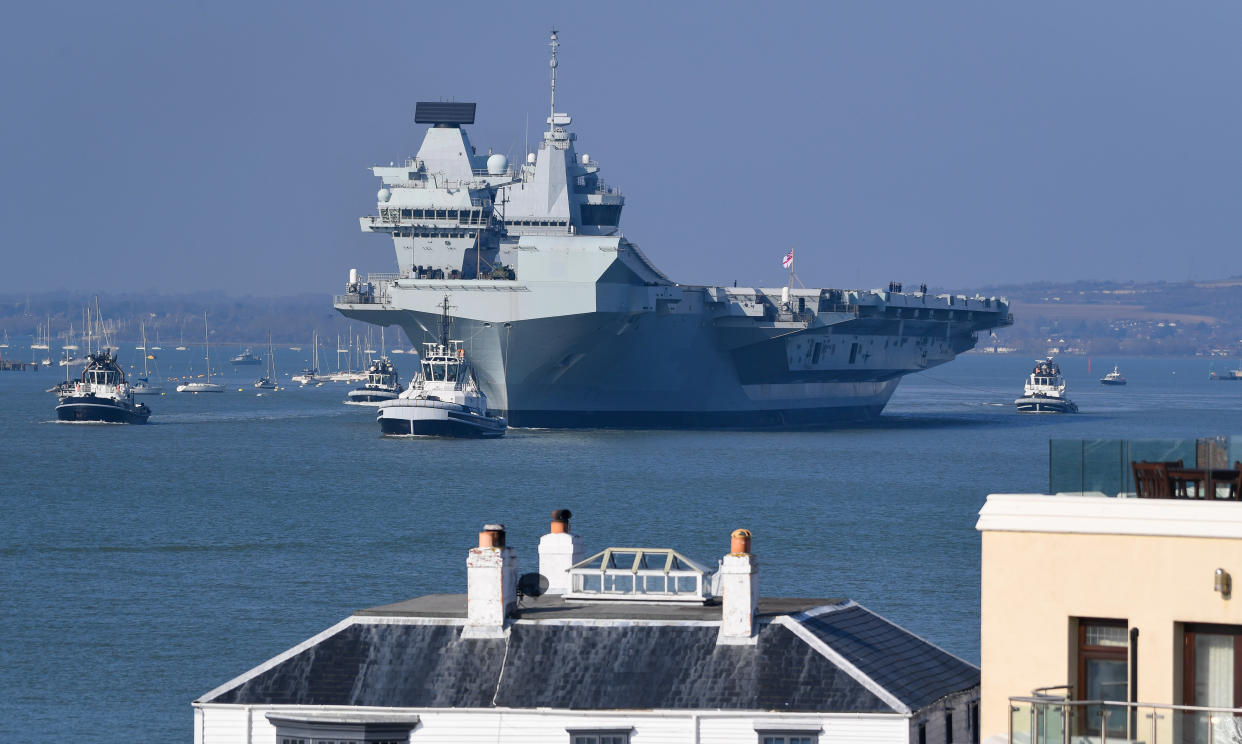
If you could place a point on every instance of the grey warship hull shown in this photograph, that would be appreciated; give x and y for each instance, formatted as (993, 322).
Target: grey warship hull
(569, 324)
(695, 366)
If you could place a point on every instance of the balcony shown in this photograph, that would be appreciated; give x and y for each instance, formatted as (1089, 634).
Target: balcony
(1049, 719)
(1104, 467)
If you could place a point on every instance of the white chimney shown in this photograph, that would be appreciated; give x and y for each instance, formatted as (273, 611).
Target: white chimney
(491, 584)
(558, 551)
(739, 587)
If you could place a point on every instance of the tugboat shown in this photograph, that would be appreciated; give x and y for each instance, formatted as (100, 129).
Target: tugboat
(247, 357)
(1113, 378)
(444, 398)
(102, 394)
(382, 384)
(1045, 391)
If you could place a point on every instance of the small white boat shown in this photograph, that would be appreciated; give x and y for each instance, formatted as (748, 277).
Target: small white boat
(310, 374)
(444, 399)
(1113, 378)
(208, 386)
(268, 381)
(1045, 390)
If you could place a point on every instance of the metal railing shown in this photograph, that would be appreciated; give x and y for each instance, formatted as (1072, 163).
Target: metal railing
(1055, 720)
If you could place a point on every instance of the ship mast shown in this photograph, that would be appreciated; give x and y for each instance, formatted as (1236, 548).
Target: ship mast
(445, 322)
(552, 64)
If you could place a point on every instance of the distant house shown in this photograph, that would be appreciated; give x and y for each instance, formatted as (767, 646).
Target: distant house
(626, 645)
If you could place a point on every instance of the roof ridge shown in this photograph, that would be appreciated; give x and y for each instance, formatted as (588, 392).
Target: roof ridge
(795, 626)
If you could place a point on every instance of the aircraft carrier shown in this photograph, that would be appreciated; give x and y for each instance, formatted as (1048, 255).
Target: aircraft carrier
(569, 324)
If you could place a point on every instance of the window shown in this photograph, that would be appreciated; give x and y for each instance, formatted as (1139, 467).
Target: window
(1211, 672)
(619, 736)
(948, 727)
(788, 737)
(1102, 675)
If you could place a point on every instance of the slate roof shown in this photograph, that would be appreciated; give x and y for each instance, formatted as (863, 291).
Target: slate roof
(834, 658)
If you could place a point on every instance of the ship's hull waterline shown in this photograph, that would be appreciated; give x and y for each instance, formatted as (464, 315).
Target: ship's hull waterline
(100, 410)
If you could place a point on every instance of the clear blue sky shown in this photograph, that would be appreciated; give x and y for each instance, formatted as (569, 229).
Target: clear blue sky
(224, 145)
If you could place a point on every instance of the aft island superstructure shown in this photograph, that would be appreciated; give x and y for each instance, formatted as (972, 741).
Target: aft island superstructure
(570, 324)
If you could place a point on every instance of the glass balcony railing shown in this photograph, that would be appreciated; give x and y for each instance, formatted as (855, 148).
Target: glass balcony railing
(1040, 720)
(1103, 466)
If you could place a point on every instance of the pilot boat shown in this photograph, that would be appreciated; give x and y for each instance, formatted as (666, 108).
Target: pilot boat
(382, 384)
(1113, 378)
(1045, 390)
(444, 398)
(101, 394)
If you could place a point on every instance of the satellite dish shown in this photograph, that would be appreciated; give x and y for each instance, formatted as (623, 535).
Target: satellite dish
(532, 584)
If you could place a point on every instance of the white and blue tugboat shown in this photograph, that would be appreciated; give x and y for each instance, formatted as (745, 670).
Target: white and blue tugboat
(102, 395)
(444, 399)
(1045, 390)
(382, 384)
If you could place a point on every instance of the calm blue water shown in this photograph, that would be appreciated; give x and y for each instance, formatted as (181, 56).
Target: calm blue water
(143, 566)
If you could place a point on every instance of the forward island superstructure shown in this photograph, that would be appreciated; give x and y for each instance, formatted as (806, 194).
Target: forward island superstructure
(569, 324)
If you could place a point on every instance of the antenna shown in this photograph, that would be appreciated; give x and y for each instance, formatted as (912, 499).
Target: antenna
(445, 322)
(552, 64)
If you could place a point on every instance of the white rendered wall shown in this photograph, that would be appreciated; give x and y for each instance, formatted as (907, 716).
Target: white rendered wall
(226, 724)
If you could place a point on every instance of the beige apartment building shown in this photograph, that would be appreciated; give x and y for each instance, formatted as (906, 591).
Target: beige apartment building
(1095, 598)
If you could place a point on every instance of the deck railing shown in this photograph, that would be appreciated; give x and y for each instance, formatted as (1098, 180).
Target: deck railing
(1055, 720)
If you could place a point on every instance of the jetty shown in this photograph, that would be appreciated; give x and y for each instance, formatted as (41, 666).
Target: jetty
(11, 365)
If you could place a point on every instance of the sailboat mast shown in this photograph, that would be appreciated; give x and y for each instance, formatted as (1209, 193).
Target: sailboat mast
(206, 347)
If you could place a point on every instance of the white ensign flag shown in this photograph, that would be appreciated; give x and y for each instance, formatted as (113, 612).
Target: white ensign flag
(787, 261)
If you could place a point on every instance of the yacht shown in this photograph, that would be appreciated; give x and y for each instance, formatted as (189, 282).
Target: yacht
(268, 381)
(311, 374)
(382, 384)
(247, 357)
(143, 385)
(101, 394)
(1113, 378)
(1045, 390)
(444, 399)
(208, 386)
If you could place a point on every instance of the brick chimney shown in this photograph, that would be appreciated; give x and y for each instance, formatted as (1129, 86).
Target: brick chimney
(739, 587)
(491, 584)
(558, 551)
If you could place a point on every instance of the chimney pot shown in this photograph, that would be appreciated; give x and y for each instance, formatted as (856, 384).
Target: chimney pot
(492, 536)
(740, 542)
(560, 521)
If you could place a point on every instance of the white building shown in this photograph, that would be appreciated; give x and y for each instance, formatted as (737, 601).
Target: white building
(627, 645)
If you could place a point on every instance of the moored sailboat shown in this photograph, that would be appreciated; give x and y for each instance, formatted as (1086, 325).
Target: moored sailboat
(208, 386)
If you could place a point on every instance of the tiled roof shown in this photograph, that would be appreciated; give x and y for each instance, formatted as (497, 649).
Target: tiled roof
(836, 659)
(911, 669)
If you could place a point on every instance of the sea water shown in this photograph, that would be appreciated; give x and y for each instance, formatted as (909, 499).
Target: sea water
(143, 566)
